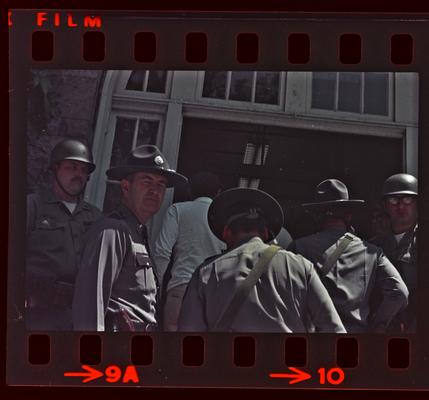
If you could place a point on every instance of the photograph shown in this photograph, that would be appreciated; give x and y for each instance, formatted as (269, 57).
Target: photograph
(221, 201)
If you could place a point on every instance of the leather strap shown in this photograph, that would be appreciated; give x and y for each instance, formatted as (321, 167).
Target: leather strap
(342, 244)
(225, 321)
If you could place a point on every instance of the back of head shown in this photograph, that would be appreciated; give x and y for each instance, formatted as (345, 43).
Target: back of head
(204, 184)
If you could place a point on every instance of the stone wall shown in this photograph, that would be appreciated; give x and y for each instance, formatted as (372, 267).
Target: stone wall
(61, 104)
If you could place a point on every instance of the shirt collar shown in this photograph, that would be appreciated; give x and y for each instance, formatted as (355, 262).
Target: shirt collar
(50, 197)
(125, 213)
(207, 200)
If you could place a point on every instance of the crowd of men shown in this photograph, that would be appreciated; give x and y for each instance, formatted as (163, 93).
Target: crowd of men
(222, 261)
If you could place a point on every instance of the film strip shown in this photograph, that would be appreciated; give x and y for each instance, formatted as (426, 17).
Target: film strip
(119, 43)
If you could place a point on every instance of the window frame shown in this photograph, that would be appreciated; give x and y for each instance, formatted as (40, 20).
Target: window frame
(239, 103)
(125, 76)
(348, 114)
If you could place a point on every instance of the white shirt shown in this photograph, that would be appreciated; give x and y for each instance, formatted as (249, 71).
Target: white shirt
(70, 206)
(186, 238)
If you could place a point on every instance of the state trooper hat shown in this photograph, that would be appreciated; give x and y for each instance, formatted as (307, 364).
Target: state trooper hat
(146, 158)
(236, 203)
(71, 149)
(399, 184)
(332, 194)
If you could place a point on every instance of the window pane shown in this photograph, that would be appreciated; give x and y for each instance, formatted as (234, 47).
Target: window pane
(241, 86)
(323, 90)
(376, 93)
(349, 91)
(157, 81)
(123, 141)
(135, 82)
(267, 87)
(147, 132)
(214, 84)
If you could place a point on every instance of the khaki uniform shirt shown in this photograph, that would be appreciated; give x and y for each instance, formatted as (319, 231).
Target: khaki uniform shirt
(116, 286)
(361, 271)
(289, 297)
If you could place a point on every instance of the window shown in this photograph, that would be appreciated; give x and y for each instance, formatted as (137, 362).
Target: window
(248, 86)
(254, 155)
(147, 81)
(355, 92)
(129, 133)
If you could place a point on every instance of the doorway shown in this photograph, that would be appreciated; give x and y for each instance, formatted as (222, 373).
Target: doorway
(288, 163)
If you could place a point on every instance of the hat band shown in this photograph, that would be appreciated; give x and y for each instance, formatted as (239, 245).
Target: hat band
(251, 214)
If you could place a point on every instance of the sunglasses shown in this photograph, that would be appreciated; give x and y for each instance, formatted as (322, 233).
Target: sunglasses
(395, 200)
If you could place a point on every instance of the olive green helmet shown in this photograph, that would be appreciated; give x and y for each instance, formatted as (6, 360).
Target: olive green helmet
(399, 184)
(71, 149)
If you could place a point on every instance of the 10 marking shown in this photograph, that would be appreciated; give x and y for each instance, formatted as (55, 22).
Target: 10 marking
(333, 376)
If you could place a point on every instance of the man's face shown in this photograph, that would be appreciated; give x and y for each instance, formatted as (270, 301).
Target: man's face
(72, 176)
(402, 211)
(143, 193)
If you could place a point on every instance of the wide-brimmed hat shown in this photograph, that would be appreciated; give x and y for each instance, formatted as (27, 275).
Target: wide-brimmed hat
(146, 158)
(246, 203)
(332, 194)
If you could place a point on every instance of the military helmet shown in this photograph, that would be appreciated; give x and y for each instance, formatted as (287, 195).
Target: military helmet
(400, 184)
(71, 149)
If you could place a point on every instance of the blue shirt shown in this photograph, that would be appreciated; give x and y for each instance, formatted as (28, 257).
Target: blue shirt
(185, 240)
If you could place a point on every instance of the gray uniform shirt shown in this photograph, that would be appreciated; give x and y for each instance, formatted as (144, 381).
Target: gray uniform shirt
(361, 271)
(55, 236)
(403, 255)
(288, 298)
(115, 279)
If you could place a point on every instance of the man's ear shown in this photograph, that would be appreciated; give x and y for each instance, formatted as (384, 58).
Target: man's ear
(125, 186)
(265, 234)
(226, 234)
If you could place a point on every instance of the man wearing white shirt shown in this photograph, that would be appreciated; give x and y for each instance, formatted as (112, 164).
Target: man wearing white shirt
(184, 242)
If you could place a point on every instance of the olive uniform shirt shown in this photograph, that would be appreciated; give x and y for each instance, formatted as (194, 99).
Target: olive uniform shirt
(289, 297)
(403, 255)
(54, 245)
(116, 286)
(360, 271)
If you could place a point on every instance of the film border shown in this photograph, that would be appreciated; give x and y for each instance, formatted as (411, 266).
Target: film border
(166, 368)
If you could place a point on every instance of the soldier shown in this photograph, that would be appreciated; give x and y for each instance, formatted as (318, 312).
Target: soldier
(57, 220)
(351, 269)
(116, 286)
(254, 287)
(400, 193)
(185, 241)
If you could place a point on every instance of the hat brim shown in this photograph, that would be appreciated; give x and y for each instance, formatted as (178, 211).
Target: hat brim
(334, 204)
(174, 179)
(401, 192)
(217, 214)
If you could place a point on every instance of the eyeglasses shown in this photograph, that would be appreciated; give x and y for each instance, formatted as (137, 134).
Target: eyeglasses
(395, 200)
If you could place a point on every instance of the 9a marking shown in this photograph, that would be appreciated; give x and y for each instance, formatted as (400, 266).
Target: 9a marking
(112, 374)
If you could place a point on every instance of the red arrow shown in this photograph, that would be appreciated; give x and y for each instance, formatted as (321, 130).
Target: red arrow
(298, 376)
(90, 375)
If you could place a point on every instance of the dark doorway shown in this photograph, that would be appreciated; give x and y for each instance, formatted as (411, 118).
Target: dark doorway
(288, 163)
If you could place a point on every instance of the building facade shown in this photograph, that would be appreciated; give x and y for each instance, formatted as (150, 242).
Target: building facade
(282, 132)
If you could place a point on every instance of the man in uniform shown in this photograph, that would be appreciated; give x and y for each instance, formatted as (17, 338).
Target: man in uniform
(116, 285)
(400, 193)
(287, 297)
(185, 241)
(57, 220)
(351, 269)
